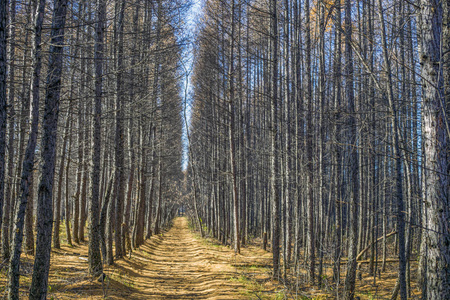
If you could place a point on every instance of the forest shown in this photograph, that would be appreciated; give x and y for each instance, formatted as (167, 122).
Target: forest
(225, 149)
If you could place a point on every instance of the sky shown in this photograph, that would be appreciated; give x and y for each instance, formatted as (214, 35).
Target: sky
(188, 62)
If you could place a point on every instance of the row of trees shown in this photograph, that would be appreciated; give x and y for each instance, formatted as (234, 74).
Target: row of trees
(102, 130)
(323, 127)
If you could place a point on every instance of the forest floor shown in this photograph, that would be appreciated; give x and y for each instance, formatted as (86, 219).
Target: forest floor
(178, 264)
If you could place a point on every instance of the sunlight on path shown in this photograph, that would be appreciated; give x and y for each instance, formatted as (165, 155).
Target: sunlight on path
(181, 267)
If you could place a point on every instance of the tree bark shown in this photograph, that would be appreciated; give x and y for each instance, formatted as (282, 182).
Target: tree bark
(349, 290)
(5, 213)
(231, 133)
(67, 188)
(119, 137)
(94, 258)
(435, 139)
(274, 143)
(38, 289)
(3, 117)
(26, 186)
(57, 218)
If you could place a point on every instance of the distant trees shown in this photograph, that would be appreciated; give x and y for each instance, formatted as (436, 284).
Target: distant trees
(334, 102)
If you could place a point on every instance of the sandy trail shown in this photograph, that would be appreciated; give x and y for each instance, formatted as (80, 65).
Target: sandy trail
(178, 266)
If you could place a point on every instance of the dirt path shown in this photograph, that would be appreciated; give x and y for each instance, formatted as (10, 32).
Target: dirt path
(173, 265)
(178, 266)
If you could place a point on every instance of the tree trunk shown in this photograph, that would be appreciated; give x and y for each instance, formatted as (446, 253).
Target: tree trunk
(3, 117)
(5, 213)
(38, 289)
(309, 141)
(119, 138)
(106, 246)
(152, 182)
(138, 230)
(350, 279)
(26, 186)
(95, 259)
(57, 218)
(67, 189)
(76, 198)
(274, 143)
(436, 141)
(231, 133)
(337, 153)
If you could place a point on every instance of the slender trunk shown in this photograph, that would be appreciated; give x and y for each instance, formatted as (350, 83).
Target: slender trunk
(337, 152)
(231, 134)
(5, 208)
(67, 188)
(274, 147)
(95, 259)
(104, 232)
(57, 218)
(138, 230)
(350, 279)
(3, 117)
(158, 205)
(152, 182)
(76, 197)
(29, 218)
(119, 137)
(28, 162)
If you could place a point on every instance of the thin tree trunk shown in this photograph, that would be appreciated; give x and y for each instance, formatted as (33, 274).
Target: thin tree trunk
(106, 246)
(337, 152)
(119, 137)
(29, 218)
(138, 230)
(350, 279)
(57, 218)
(309, 149)
(152, 182)
(94, 258)
(3, 117)
(274, 147)
(5, 212)
(76, 198)
(231, 134)
(26, 186)
(67, 188)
